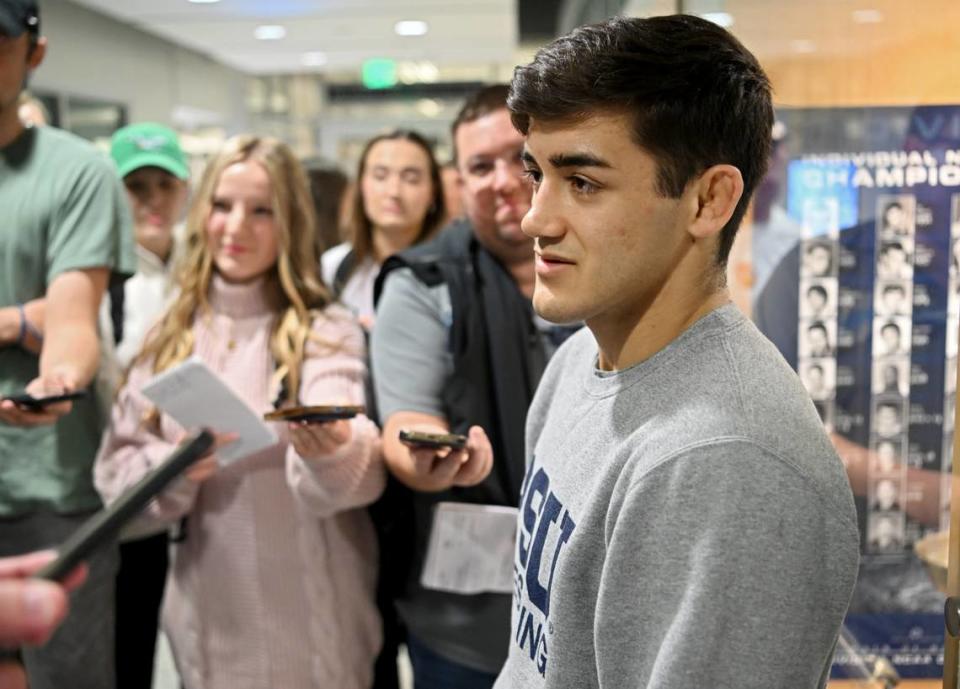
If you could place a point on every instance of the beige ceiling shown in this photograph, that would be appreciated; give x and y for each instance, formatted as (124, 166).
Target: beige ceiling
(828, 52)
(346, 32)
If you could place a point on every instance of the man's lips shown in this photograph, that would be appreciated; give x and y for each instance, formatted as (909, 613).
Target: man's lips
(547, 257)
(547, 263)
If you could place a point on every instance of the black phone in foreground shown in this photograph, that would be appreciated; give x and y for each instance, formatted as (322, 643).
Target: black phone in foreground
(107, 523)
(436, 440)
(37, 403)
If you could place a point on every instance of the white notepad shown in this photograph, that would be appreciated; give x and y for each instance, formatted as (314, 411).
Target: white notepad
(471, 549)
(197, 398)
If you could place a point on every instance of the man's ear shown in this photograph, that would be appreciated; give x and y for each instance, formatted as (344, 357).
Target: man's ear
(718, 191)
(37, 53)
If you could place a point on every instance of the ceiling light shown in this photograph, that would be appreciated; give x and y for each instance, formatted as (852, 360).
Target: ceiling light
(410, 28)
(722, 19)
(314, 59)
(203, 2)
(869, 16)
(408, 73)
(803, 45)
(428, 107)
(270, 32)
(428, 72)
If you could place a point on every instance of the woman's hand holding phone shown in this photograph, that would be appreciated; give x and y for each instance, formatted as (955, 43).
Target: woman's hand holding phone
(318, 440)
(317, 431)
(440, 468)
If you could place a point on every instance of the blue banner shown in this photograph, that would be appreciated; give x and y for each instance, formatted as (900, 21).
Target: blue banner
(856, 250)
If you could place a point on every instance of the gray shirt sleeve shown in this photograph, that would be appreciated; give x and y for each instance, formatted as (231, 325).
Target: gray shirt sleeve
(409, 352)
(721, 570)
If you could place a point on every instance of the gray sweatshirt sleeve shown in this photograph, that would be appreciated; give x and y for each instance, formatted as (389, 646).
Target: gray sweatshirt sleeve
(714, 575)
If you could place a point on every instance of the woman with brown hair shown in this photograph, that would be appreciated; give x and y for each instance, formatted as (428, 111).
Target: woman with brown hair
(398, 202)
(273, 585)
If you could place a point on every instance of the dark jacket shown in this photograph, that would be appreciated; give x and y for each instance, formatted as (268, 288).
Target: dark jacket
(498, 358)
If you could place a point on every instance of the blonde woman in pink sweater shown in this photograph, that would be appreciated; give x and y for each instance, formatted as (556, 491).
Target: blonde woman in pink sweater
(273, 585)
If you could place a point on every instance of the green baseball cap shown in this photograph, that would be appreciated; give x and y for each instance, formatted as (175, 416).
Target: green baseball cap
(148, 145)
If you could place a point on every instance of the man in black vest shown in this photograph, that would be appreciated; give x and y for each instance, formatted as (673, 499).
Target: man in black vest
(458, 349)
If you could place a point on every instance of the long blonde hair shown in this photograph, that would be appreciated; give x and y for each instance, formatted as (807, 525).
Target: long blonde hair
(293, 286)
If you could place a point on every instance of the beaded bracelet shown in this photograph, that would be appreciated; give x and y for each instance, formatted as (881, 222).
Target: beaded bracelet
(27, 328)
(23, 325)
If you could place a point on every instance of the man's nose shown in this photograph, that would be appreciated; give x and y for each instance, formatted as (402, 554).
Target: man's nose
(539, 220)
(506, 176)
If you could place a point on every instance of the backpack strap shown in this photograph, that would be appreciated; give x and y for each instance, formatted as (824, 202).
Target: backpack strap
(343, 273)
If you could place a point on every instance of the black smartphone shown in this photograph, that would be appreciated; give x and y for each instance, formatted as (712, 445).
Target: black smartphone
(38, 403)
(436, 440)
(106, 524)
(315, 414)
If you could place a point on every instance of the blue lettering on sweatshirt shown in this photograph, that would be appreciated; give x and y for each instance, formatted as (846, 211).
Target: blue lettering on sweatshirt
(542, 515)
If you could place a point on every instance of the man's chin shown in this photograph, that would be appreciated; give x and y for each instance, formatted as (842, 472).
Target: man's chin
(552, 309)
(509, 231)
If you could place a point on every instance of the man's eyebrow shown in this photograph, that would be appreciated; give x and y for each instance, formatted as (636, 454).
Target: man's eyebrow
(578, 160)
(560, 160)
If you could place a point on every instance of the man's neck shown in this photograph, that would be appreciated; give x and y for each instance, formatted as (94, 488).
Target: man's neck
(627, 338)
(10, 125)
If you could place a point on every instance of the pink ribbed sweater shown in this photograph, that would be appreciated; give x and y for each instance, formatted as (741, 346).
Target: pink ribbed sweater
(274, 585)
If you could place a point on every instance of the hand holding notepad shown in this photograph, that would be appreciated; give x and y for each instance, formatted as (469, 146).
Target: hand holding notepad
(194, 396)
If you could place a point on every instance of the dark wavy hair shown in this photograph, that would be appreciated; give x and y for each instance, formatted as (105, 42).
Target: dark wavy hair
(697, 97)
(360, 228)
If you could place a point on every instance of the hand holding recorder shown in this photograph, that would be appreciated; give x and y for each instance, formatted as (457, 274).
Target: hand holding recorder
(442, 460)
(106, 524)
(317, 431)
(33, 587)
(30, 609)
(44, 401)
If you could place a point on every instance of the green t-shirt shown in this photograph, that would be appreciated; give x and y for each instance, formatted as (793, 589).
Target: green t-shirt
(62, 208)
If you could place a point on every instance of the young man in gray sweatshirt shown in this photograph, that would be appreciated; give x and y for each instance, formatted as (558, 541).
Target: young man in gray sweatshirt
(685, 521)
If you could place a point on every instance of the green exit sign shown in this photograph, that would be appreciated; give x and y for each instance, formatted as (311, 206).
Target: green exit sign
(379, 73)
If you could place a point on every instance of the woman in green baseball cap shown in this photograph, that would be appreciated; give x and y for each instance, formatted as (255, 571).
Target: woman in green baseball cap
(154, 171)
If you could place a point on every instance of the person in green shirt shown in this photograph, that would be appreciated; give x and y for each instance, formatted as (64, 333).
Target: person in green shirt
(65, 229)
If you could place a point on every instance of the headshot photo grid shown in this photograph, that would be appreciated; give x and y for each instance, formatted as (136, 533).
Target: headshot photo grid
(893, 311)
(819, 288)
